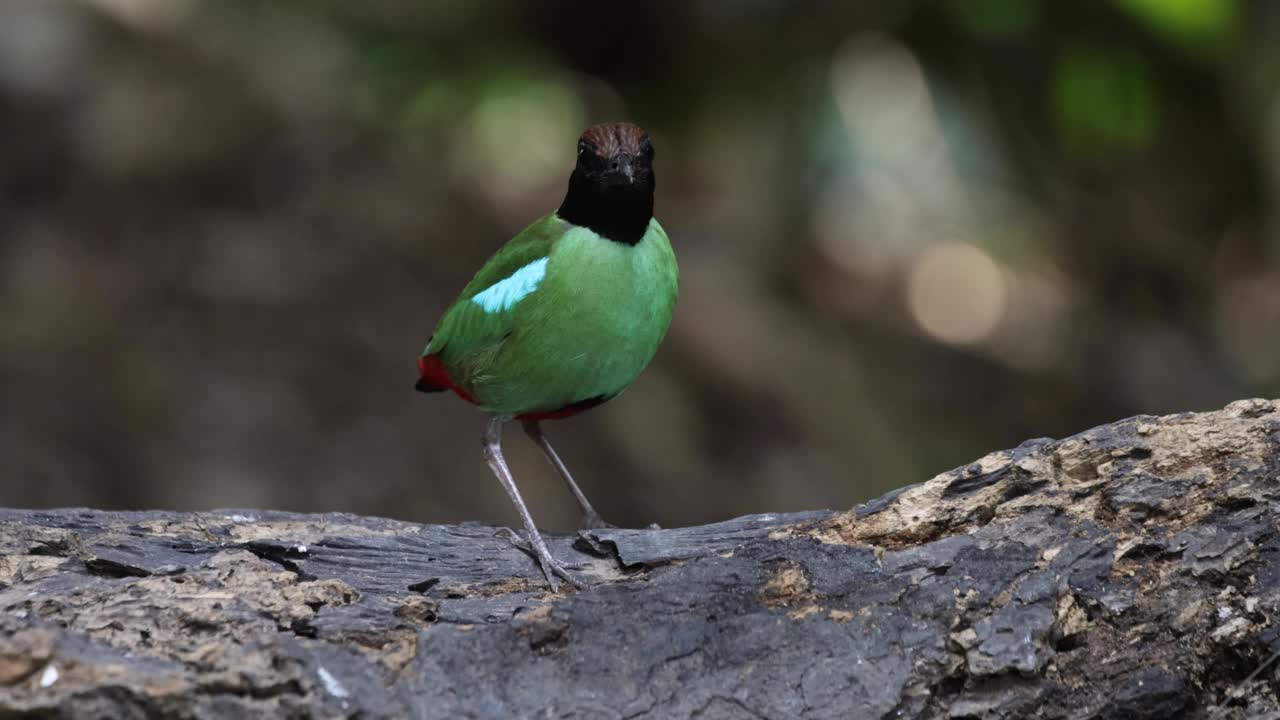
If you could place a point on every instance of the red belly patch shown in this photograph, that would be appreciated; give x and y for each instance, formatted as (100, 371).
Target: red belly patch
(433, 377)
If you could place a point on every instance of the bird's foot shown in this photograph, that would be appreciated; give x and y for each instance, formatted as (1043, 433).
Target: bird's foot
(551, 568)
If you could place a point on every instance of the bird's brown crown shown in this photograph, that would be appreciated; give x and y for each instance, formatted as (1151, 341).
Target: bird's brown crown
(609, 139)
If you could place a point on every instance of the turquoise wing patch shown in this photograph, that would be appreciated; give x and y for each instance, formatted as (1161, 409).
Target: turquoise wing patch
(504, 294)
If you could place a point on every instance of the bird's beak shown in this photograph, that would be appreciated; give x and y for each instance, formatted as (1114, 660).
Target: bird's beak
(623, 169)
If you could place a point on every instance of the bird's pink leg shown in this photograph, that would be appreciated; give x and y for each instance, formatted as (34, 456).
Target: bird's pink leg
(591, 520)
(493, 456)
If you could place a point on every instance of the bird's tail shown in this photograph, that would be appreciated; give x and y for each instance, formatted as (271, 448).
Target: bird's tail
(433, 377)
(429, 375)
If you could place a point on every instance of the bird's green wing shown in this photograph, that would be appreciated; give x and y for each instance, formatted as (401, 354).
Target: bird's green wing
(483, 313)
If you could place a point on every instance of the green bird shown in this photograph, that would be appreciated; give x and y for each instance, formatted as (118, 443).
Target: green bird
(565, 315)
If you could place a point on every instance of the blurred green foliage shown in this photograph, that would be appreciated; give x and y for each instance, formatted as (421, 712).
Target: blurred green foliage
(1198, 24)
(1105, 100)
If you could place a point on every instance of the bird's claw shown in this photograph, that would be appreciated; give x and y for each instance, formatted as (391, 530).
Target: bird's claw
(551, 569)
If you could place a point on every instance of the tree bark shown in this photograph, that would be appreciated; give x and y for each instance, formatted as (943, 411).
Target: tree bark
(1129, 571)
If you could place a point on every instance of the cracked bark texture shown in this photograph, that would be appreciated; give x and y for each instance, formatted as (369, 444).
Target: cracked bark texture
(1129, 571)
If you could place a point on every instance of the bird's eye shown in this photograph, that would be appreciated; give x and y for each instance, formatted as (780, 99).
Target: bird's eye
(582, 146)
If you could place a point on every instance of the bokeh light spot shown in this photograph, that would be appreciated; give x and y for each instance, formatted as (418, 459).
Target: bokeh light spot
(956, 293)
(880, 89)
(517, 138)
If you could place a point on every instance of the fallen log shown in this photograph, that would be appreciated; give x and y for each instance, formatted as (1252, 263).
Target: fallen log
(1130, 571)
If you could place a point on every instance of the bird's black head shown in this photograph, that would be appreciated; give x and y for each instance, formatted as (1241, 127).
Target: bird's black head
(615, 155)
(611, 189)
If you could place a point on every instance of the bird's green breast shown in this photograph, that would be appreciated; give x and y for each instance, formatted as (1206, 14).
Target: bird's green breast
(581, 325)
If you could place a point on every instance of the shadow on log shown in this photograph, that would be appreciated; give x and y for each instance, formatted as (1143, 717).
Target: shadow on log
(1130, 571)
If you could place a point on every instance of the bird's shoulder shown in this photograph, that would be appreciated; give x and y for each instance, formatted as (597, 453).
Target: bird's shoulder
(483, 313)
(530, 245)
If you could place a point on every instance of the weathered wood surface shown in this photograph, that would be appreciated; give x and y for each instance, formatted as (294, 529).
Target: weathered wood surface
(1127, 572)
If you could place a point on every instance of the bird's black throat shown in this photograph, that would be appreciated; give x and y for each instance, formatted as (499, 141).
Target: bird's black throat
(620, 213)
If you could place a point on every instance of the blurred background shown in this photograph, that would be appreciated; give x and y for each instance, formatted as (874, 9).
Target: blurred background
(909, 233)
